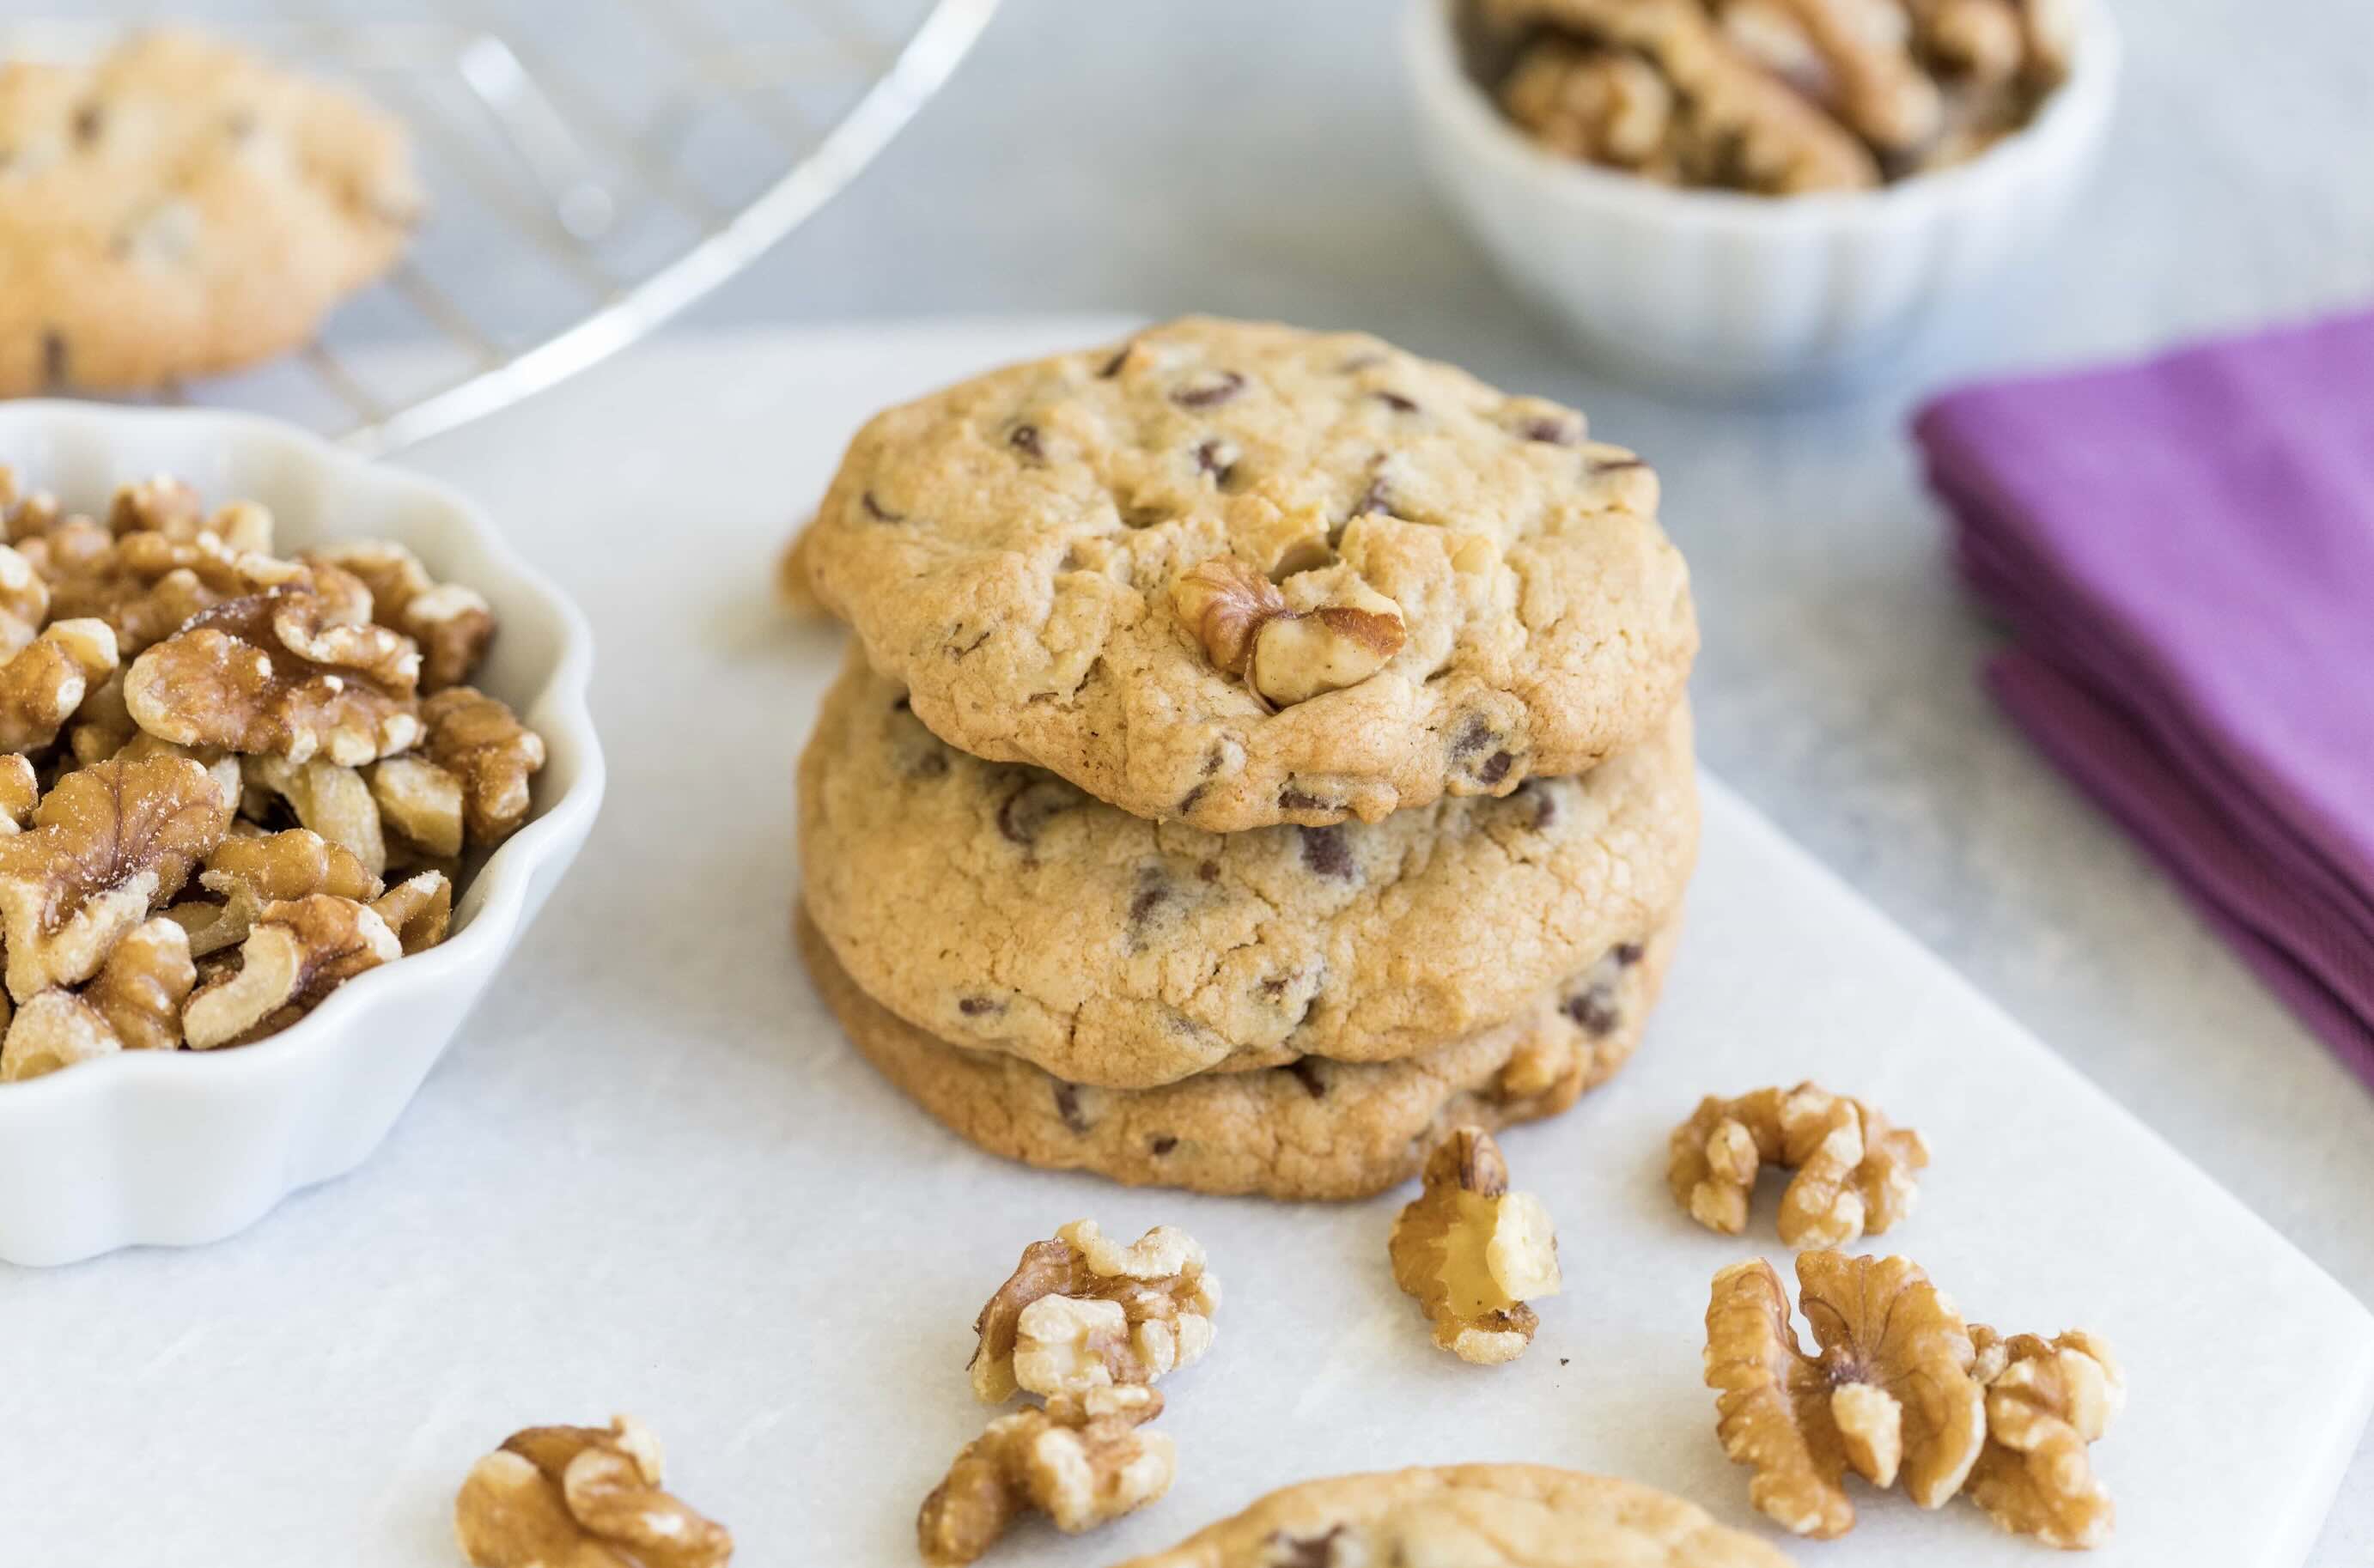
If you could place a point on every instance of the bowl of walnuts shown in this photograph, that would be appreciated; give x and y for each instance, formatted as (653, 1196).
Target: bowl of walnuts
(292, 749)
(1763, 196)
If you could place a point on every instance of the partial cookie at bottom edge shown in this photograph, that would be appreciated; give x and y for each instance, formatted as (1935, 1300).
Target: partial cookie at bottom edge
(1477, 1515)
(1312, 1130)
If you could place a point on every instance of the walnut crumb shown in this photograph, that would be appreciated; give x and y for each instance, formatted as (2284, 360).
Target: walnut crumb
(1287, 655)
(1082, 1312)
(1855, 1172)
(1082, 1460)
(582, 1497)
(1474, 1253)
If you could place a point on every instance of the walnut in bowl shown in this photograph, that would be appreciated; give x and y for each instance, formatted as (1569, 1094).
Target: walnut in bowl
(1757, 195)
(282, 779)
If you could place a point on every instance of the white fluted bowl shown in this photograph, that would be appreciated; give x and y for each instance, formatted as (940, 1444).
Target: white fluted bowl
(183, 1147)
(1720, 291)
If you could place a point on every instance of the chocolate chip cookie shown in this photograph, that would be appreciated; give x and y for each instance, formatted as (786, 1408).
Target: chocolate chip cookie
(998, 908)
(1239, 575)
(1310, 1130)
(1474, 1515)
(178, 208)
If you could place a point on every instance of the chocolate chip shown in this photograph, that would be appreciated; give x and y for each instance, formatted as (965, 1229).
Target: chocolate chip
(1496, 767)
(89, 121)
(1209, 393)
(1187, 803)
(1473, 737)
(877, 511)
(1161, 1144)
(1301, 1552)
(1291, 799)
(1306, 1072)
(1208, 870)
(1397, 403)
(1553, 429)
(1025, 439)
(901, 704)
(1325, 853)
(1595, 1011)
(928, 765)
(1112, 366)
(1217, 457)
(1213, 759)
(1544, 805)
(1067, 1106)
(1274, 986)
(1030, 808)
(1153, 893)
(1378, 497)
(53, 357)
(974, 1006)
(1629, 953)
(1619, 464)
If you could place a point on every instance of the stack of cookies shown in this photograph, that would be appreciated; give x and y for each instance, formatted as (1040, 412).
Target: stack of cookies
(1263, 750)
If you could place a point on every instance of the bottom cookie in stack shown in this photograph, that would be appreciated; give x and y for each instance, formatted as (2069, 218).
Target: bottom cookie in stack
(1314, 1129)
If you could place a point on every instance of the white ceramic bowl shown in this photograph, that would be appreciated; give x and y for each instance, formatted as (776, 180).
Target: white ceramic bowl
(183, 1147)
(1716, 291)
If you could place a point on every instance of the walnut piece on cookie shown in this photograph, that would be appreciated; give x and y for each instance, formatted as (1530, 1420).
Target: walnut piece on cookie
(1474, 1253)
(2046, 1401)
(1889, 1392)
(582, 1497)
(1855, 1172)
(1287, 655)
(177, 207)
(1082, 1460)
(1082, 1312)
(1473, 1515)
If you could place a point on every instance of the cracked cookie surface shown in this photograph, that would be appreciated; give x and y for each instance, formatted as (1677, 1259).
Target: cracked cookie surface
(1474, 1515)
(1009, 549)
(1000, 908)
(1311, 1129)
(178, 208)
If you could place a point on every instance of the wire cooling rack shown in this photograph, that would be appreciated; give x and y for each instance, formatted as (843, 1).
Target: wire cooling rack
(594, 167)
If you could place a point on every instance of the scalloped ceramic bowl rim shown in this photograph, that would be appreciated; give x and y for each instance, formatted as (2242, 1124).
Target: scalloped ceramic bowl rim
(496, 897)
(1432, 54)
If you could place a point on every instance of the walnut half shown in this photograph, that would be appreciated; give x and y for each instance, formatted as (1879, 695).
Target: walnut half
(2047, 1400)
(298, 953)
(1474, 1253)
(581, 1497)
(1084, 1312)
(1081, 1461)
(1890, 1393)
(1246, 628)
(1855, 1172)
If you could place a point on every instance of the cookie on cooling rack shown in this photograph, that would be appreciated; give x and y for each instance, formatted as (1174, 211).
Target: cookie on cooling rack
(178, 208)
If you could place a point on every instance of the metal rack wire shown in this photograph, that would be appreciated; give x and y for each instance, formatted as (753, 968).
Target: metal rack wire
(574, 208)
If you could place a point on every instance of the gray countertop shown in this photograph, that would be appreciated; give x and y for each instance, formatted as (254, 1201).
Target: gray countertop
(1251, 156)
(1254, 158)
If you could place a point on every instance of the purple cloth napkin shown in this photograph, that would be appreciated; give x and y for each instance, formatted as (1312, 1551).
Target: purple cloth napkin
(2184, 552)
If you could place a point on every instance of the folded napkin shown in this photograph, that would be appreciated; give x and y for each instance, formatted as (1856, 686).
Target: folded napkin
(2183, 551)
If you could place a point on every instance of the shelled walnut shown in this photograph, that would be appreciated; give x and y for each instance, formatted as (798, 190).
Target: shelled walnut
(1899, 1390)
(1287, 654)
(1855, 1172)
(2046, 1401)
(1083, 1312)
(185, 693)
(582, 1497)
(1474, 1253)
(1082, 1460)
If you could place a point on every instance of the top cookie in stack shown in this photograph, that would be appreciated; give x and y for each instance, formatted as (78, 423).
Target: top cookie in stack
(1478, 591)
(1273, 754)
